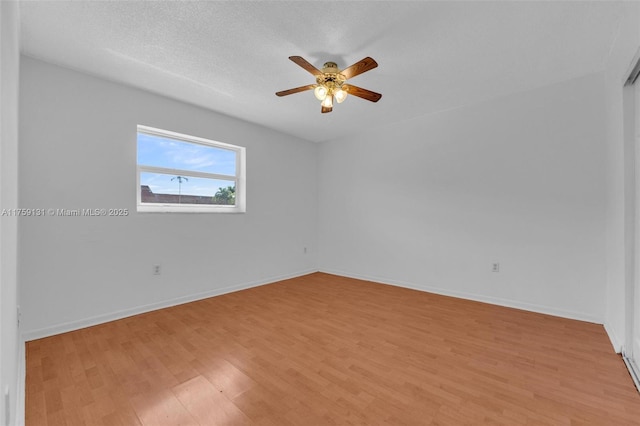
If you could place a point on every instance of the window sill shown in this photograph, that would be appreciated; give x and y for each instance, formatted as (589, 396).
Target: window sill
(168, 208)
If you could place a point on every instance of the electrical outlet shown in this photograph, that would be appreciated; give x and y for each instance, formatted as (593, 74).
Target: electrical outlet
(495, 267)
(156, 269)
(304, 250)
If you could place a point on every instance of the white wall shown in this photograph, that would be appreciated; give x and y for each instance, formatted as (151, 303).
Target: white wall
(618, 205)
(10, 345)
(431, 203)
(78, 150)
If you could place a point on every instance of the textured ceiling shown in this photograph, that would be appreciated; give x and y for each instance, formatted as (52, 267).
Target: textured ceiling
(231, 57)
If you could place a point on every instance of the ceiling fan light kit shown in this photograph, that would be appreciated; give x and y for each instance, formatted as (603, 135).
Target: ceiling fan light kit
(330, 82)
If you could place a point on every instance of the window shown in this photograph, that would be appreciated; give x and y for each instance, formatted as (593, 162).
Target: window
(181, 173)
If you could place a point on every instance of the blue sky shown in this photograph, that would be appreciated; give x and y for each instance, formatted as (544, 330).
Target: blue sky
(170, 153)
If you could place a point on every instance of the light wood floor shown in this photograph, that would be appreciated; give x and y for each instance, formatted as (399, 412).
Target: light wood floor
(327, 350)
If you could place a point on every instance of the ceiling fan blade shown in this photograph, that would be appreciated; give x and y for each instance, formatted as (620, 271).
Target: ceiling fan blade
(326, 109)
(359, 67)
(363, 93)
(306, 65)
(296, 90)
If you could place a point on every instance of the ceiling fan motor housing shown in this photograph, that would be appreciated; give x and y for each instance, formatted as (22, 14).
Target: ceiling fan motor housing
(330, 67)
(331, 76)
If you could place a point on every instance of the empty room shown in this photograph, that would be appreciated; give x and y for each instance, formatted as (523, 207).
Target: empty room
(319, 213)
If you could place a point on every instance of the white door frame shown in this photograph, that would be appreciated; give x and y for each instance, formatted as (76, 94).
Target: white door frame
(631, 347)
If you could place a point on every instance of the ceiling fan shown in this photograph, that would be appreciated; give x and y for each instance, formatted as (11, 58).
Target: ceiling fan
(331, 82)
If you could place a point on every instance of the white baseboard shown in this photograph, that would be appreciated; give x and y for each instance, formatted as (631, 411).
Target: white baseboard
(613, 338)
(475, 297)
(634, 372)
(100, 319)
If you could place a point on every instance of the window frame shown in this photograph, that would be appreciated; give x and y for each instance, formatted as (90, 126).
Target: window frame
(239, 178)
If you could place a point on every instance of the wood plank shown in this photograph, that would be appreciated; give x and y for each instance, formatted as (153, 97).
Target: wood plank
(161, 408)
(209, 405)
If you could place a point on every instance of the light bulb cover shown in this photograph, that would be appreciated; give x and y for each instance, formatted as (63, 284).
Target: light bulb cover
(340, 95)
(328, 102)
(320, 92)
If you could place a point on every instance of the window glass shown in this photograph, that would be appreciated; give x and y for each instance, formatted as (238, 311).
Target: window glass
(181, 173)
(175, 154)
